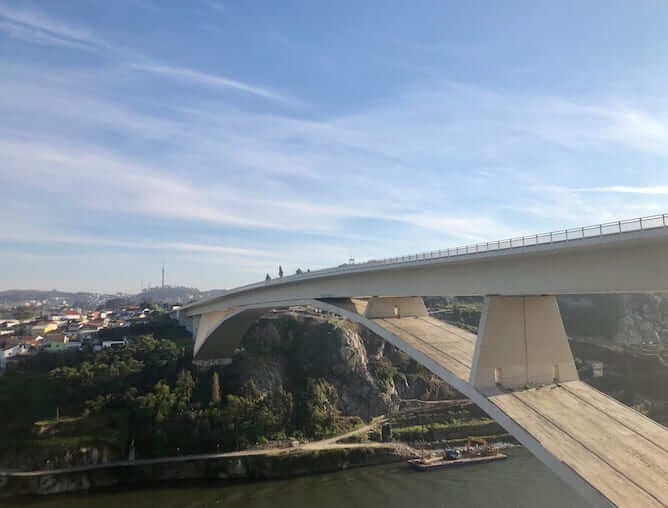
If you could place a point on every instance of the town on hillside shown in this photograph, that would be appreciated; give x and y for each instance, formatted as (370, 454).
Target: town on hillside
(39, 326)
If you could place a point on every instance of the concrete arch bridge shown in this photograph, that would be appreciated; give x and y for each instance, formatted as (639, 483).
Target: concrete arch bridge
(519, 368)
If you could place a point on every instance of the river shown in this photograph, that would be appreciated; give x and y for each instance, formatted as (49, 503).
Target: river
(521, 481)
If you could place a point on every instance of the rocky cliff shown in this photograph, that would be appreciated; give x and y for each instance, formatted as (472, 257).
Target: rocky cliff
(618, 319)
(370, 376)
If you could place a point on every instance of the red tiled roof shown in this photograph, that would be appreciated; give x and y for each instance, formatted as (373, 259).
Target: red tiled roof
(30, 339)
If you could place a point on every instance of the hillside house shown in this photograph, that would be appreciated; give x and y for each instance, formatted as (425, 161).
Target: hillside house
(43, 327)
(56, 342)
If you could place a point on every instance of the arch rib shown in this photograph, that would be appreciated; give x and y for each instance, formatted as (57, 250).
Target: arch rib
(595, 444)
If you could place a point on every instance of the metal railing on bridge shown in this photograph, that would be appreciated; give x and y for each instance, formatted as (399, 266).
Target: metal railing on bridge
(560, 236)
(553, 237)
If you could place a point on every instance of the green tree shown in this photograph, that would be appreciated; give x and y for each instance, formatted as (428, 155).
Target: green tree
(319, 411)
(280, 271)
(215, 388)
(22, 313)
(183, 390)
(251, 392)
(282, 404)
(159, 403)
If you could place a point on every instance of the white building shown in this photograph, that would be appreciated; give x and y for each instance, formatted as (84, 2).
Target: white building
(114, 343)
(11, 352)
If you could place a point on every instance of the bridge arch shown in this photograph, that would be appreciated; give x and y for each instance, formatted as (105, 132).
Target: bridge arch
(526, 413)
(519, 369)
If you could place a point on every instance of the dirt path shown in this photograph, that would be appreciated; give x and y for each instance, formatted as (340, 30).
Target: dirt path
(327, 443)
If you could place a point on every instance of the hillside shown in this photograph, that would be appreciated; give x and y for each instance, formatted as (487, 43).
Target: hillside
(291, 377)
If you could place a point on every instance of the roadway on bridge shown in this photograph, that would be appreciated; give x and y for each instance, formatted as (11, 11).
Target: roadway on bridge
(618, 451)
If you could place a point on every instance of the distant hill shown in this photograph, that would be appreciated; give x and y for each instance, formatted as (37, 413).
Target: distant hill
(172, 295)
(19, 296)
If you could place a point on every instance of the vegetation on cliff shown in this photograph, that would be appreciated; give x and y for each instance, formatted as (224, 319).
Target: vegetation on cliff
(290, 377)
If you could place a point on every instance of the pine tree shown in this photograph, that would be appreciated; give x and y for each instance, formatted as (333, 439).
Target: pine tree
(215, 388)
(184, 386)
(267, 277)
(280, 271)
(183, 390)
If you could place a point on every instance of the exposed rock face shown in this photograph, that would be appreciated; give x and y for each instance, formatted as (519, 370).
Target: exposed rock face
(350, 357)
(645, 320)
(268, 375)
(617, 319)
(375, 345)
(353, 354)
(358, 393)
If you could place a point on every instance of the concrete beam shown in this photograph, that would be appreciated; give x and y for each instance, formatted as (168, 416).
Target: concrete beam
(389, 307)
(630, 263)
(521, 342)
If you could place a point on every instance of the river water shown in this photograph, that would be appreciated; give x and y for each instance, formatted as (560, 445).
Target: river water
(518, 482)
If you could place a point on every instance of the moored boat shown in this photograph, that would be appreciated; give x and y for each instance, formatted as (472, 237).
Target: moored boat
(442, 463)
(453, 457)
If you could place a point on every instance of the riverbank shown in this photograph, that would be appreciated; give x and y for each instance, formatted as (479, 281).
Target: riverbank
(521, 482)
(349, 450)
(236, 466)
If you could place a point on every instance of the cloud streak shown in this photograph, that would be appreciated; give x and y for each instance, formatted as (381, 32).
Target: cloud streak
(37, 27)
(222, 177)
(209, 80)
(659, 190)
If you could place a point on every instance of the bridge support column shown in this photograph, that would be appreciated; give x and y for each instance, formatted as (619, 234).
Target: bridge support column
(389, 307)
(219, 334)
(521, 342)
(204, 325)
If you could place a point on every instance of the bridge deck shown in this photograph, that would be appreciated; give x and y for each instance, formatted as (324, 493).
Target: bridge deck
(618, 451)
(448, 345)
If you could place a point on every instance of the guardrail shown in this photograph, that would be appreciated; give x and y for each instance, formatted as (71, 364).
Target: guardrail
(553, 237)
(560, 236)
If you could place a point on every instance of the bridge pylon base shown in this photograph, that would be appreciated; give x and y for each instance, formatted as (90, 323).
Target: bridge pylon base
(395, 307)
(521, 343)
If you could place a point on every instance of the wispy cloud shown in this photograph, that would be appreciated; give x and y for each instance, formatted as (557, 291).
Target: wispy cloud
(625, 189)
(37, 27)
(210, 80)
(29, 34)
(216, 5)
(222, 177)
(42, 236)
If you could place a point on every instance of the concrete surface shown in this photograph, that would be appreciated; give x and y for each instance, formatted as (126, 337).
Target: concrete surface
(634, 262)
(618, 451)
(615, 450)
(522, 342)
(609, 453)
(389, 307)
(450, 346)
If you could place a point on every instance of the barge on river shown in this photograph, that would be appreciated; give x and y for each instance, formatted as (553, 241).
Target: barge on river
(454, 458)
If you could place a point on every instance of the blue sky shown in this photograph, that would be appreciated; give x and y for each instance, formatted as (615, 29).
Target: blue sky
(223, 138)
